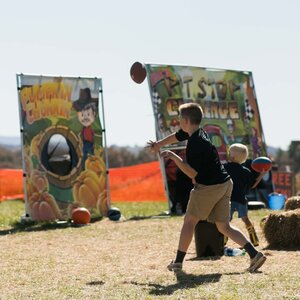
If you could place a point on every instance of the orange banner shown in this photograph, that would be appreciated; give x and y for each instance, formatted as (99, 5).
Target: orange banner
(135, 183)
(11, 184)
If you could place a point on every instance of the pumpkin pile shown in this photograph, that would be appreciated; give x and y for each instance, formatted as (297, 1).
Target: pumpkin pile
(42, 205)
(89, 188)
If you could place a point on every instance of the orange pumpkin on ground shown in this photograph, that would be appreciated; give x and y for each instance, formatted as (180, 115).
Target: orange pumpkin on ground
(81, 216)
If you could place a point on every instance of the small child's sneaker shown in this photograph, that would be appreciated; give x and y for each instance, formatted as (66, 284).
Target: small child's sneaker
(257, 262)
(174, 266)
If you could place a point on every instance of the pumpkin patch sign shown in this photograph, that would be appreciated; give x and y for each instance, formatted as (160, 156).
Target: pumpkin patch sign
(63, 146)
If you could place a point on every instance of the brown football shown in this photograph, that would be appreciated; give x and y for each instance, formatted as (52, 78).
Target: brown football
(138, 72)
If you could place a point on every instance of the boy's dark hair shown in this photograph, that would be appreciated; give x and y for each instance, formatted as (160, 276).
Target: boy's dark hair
(191, 111)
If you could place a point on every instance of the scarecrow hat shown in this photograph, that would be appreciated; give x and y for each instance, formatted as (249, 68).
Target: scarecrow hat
(84, 99)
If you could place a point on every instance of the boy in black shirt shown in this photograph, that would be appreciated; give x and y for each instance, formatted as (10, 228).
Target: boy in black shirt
(209, 199)
(243, 179)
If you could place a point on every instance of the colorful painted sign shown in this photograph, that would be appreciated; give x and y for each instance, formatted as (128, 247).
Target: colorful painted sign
(64, 159)
(227, 98)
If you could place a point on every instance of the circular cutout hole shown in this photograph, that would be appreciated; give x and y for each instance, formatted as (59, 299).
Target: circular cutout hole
(59, 155)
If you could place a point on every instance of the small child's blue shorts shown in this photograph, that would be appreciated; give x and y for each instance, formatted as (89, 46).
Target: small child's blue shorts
(242, 209)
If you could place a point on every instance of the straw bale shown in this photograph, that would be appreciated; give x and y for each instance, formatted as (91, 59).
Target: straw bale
(282, 229)
(292, 203)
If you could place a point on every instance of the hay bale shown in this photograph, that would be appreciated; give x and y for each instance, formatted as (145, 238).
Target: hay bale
(263, 222)
(292, 203)
(283, 229)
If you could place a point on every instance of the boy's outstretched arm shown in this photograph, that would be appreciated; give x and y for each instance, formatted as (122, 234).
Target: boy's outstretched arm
(184, 167)
(258, 179)
(155, 146)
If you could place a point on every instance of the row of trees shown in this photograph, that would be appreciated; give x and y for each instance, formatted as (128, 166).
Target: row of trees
(117, 157)
(127, 156)
(10, 158)
(290, 159)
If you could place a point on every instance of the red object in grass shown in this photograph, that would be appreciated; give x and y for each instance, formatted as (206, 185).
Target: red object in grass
(261, 164)
(81, 216)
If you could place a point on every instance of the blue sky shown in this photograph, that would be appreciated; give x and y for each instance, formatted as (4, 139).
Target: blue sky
(103, 39)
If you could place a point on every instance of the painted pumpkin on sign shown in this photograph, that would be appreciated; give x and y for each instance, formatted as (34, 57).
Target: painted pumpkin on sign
(97, 165)
(43, 207)
(39, 180)
(86, 189)
(102, 203)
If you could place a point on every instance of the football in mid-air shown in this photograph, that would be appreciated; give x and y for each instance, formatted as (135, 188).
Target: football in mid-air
(261, 164)
(138, 72)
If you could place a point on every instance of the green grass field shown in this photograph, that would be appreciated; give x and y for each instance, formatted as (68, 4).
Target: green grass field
(127, 260)
(10, 212)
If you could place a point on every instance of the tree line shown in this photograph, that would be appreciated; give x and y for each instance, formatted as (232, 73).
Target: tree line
(11, 158)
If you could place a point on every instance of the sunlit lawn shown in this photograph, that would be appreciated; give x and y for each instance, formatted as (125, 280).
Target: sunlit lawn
(127, 260)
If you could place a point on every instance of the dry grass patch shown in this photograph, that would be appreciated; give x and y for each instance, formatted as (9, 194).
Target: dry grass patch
(127, 260)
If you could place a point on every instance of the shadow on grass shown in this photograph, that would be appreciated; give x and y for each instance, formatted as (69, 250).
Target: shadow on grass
(42, 226)
(283, 248)
(96, 283)
(184, 281)
(205, 258)
(163, 215)
(138, 218)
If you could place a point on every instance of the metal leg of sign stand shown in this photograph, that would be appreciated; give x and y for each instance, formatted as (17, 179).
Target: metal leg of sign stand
(26, 217)
(105, 144)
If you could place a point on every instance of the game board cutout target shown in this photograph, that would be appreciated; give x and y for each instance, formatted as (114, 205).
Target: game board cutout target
(63, 146)
(228, 100)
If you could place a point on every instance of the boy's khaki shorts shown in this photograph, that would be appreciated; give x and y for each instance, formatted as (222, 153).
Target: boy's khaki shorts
(211, 202)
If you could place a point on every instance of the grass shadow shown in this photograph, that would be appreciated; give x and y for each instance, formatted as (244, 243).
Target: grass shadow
(31, 226)
(162, 215)
(282, 248)
(95, 283)
(205, 258)
(184, 281)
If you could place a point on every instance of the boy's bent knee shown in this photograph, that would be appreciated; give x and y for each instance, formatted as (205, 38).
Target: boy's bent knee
(190, 219)
(223, 227)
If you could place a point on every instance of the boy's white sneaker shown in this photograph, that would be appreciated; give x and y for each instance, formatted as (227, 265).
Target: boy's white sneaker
(257, 262)
(173, 266)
